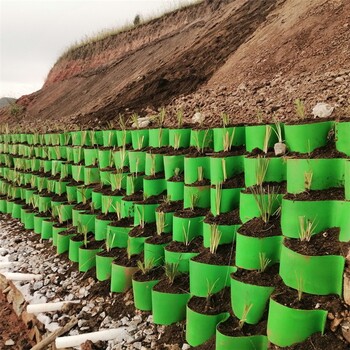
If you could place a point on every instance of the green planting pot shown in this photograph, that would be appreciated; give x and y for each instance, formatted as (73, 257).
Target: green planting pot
(171, 163)
(121, 277)
(139, 138)
(118, 179)
(55, 231)
(204, 276)
(46, 229)
(56, 167)
(38, 221)
(29, 220)
(16, 210)
(136, 244)
(234, 134)
(248, 208)
(153, 163)
(78, 172)
(232, 165)
(175, 190)
(73, 252)
(193, 226)
(347, 179)
(63, 242)
(78, 155)
(75, 216)
(201, 138)
(191, 166)
(252, 342)
(153, 186)
(91, 175)
(118, 236)
(121, 158)
(109, 138)
(201, 327)
(124, 137)
(87, 258)
(304, 138)
(158, 137)
(179, 258)
(321, 275)
(168, 308)
(179, 138)
(276, 170)
(147, 212)
(46, 165)
(137, 161)
(287, 326)
(87, 220)
(326, 173)
(127, 208)
(71, 193)
(249, 250)
(228, 233)
(105, 176)
(96, 198)
(143, 294)
(84, 192)
(90, 156)
(103, 266)
(255, 136)
(201, 193)
(229, 200)
(101, 226)
(69, 152)
(35, 164)
(243, 294)
(65, 138)
(109, 203)
(104, 158)
(60, 187)
(154, 253)
(342, 135)
(168, 220)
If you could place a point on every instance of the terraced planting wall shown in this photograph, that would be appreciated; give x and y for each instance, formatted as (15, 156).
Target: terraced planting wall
(207, 225)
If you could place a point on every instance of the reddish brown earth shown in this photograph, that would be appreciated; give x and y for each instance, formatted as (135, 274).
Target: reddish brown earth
(235, 56)
(12, 328)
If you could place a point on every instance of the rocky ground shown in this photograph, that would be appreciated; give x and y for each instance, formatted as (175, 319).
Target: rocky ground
(98, 309)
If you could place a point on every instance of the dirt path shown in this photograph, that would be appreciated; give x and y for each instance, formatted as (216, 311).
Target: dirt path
(12, 328)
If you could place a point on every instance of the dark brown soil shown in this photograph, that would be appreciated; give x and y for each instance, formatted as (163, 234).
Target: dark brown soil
(208, 345)
(156, 176)
(235, 151)
(156, 273)
(177, 178)
(170, 207)
(326, 152)
(202, 183)
(280, 187)
(152, 199)
(226, 219)
(258, 152)
(107, 217)
(147, 231)
(181, 285)
(189, 213)
(60, 198)
(269, 278)
(324, 243)
(70, 231)
(212, 305)
(159, 150)
(236, 182)
(195, 246)
(225, 256)
(92, 245)
(333, 193)
(114, 252)
(160, 239)
(82, 206)
(135, 197)
(67, 224)
(123, 259)
(80, 237)
(231, 328)
(256, 227)
(106, 190)
(331, 303)
(124, 222)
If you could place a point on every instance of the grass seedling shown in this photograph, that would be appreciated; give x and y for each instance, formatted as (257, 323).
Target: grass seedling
(107, 203)
(57, 150)
(261, 170)
(140, 139)
(83, 229)
(160, 222)
(131, 183)
(215, 237)
(268, 132)
(141, 216)
(300, 287)
(306, 228)
(218, 197)
(278, 130)
(145, 266)
(177, 172)
(180, 118)
(41, 184)
(116, 180)
(135, 120)
(245, 313)
(308, 179)
(299, 108)
(210, 293)
(228, 140)
(186, 234)
(200, 175)
(153, 165)
(224, 169)
(177, 140)
(84, 135)
(193, 200)
(161, 117)
(171, 272)
(266, 202)
(225, 120)
(109, 239)
(264, 262)
(200, 145)
(122, 123)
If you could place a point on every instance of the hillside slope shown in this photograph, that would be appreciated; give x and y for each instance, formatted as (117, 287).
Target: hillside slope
(236, 56)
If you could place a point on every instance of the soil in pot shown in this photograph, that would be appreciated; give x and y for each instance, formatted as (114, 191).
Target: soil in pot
(256, 227)
(334, 193)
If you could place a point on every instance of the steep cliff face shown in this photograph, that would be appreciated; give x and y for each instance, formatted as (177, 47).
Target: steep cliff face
(196, 58)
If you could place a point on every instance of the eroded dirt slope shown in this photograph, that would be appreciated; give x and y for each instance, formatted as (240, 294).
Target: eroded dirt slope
(235, 56)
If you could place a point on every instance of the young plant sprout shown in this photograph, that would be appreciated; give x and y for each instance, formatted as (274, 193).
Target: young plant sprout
(261, 169)
(116, 180)
(218, 197)
(135, 120)
(193, 200)
(171, 272)
(153, 164)
(186, 234)
(118, 210)
(177, 172)
(279, 147)
(177, 140)
(200, 146)
(308, 179)
(84, 135)
(200, 174)
(83, 229)
(160, 222)
(141, 216)
(161, 117)
(122, 123)
(57, 150)
(210, 289)
(268, 132)
(266, 202)
(224, 169)
(306, 228)
(131, 183)
(264, 262)
(180, 118)
(225, 119)
(109, 239)
(107, 203)
(122, 157)
(299, 108)
(228, 140)
(215, 237)
(145, 266)
(300, 287)
(140, 139)
(245, 313)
